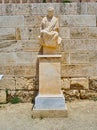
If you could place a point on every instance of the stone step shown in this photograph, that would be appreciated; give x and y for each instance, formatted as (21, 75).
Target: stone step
(78, 20)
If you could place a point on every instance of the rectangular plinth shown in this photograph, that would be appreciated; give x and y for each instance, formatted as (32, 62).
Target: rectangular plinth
(50, 102)
(49, 106)
(49, 74)
(50, 113)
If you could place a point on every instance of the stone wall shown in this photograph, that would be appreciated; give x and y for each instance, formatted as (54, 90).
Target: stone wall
(44, 1)
(19, 47)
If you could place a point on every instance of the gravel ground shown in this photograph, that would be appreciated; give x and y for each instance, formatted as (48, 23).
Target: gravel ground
(82, 116)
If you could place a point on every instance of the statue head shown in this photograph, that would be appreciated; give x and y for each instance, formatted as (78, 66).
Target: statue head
(50, 11)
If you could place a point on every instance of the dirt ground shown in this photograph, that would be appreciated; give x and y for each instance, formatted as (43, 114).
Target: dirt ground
(82, 116)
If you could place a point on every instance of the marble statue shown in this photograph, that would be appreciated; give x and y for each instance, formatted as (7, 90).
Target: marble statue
(49, 31)
(50, 101)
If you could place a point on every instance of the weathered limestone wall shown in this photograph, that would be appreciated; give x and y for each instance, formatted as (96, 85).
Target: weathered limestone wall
(44, 1)
(19, 47)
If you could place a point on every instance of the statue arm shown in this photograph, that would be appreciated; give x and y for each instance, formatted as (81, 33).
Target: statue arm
(42, 27)
(43, 24)
(56, 28)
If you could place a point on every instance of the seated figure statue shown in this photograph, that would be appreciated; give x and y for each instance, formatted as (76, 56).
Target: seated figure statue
(49, 31)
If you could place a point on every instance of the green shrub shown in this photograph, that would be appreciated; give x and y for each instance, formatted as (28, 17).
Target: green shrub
(66, 1)
(41, 117)
(6, 92)
(44, 1)
(94, 98)
(15, 100)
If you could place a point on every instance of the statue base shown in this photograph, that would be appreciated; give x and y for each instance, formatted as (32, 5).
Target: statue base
(50, 102)
(50, 50)
(50, 106)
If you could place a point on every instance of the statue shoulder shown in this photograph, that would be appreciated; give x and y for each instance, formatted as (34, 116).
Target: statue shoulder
(55, 18)
(44, 19)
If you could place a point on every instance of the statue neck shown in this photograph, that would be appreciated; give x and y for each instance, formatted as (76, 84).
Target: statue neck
(49, 18)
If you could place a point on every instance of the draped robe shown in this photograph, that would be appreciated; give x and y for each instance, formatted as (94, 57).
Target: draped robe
(49, 33)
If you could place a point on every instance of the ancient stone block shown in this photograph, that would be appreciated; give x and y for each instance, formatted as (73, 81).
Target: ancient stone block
(83, 94)
(83, 32)
(7, 9)
(89, 94)
(19, 70)
(65, 45)
(31, 70)
(0, 9)
(79, 58)
(83, 8)
(68, 9)
(92, 57)
(8, 58)
(76, 93)
(93, 84)
(11, 21)
(78, 70)
(33, 20)
(7, 34)
(7, 82)
(14, 58)
(92, 8)
(24, 70)
(23, 83)
(1, 69)
(24, 33)
(79, 32)
(73, 20)
(79, 83)
(23, 57)
(6, 1)
(8, 70)
(24, 96)
(92, 33)
(71, 94)
(65, 84)
(65, 32)
(24, 1)
(21, 9)
(34, 1)
(17, 83)
(2, 96)
(15, 1)
(79, 45)
(33, 33)
(65, 58)
(31, 45)
(20, 83)
(8, 46)
(41, 8)
(91, 44)
(20, 45)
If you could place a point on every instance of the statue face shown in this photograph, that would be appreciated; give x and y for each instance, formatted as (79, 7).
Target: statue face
(50, 12)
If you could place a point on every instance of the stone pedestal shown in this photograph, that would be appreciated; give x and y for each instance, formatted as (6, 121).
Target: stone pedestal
(50, 101)
(49, 74)
(50, 50)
